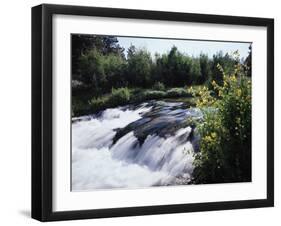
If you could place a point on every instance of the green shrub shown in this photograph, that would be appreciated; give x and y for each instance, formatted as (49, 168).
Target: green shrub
(159, 86)
(98, 104)
(79, 107)
(119, 96)
(225, 145)
(153, 94)
(178, 92)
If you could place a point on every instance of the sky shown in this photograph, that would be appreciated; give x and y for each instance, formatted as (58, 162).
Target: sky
(190, 47)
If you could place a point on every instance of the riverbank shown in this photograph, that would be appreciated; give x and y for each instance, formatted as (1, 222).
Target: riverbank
(125, 96)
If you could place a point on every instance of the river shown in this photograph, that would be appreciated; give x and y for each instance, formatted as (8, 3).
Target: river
(150, 144)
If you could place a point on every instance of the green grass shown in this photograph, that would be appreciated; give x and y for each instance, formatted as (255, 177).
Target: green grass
(123, 96)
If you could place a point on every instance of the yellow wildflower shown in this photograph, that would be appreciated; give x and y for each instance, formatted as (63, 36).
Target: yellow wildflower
(233, 78)
(238, 92)
(213, 135)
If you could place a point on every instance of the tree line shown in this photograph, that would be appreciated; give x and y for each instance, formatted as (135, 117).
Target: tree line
(99, 64)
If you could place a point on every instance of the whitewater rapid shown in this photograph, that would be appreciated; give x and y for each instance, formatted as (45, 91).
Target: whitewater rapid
(100, 162)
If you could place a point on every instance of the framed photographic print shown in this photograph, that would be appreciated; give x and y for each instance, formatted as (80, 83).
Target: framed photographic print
(146, 112)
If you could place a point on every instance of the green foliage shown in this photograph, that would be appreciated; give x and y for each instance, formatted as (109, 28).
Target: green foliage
(119, 96)
(248, 63)
(195, 72)
(139, 67)
(101, 72)
(99, 64)
(79, 107)
(81, 44)
(99, 103)
(123, 96)
(226, 61)
(158, 86)
(225, 145)
(114, 66)
(175, 68)
(178, 92)
(153, 94)
(205, 69)
(92, 69)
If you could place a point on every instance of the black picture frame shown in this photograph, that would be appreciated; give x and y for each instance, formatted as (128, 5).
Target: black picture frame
(42, 111)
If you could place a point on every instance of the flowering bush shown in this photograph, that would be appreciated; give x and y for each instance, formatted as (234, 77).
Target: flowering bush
(225, 145)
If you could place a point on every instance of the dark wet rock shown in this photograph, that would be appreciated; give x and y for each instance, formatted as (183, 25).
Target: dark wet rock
(164, 120)
(195, 140)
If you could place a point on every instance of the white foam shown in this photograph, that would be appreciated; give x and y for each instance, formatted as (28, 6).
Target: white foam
(96, 164)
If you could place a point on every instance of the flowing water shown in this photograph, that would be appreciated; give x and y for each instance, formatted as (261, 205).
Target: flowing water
(151, 144)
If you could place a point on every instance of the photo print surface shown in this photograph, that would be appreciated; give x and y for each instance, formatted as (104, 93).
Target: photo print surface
(150, 112)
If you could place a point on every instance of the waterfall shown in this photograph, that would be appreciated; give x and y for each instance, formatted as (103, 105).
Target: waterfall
(103, 160)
